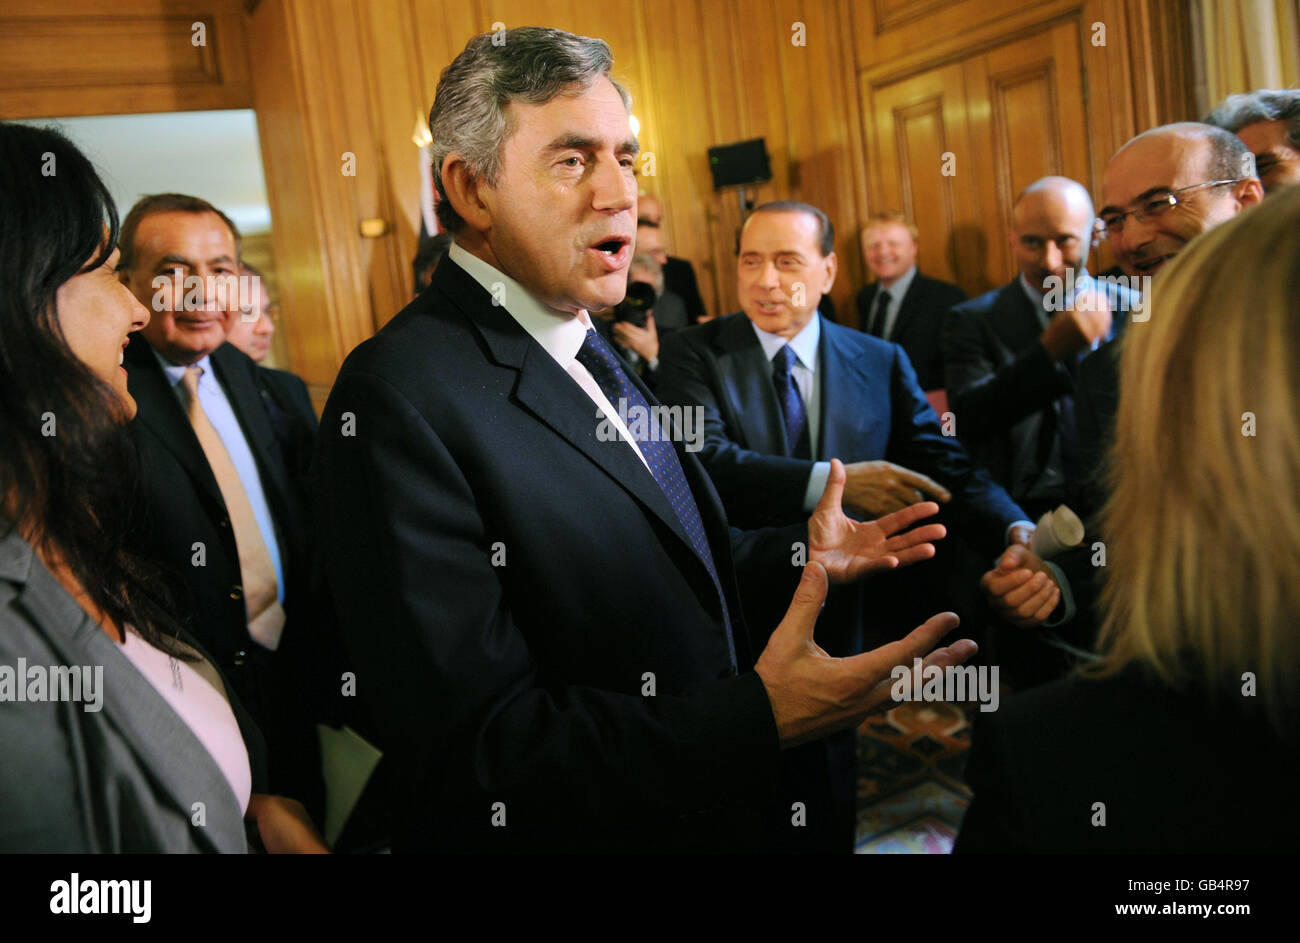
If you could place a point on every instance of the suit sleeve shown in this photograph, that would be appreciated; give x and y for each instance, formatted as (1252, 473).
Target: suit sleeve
(987, 398)
(757, 490)
(1093, 425)
(917, 442)
(430, 627)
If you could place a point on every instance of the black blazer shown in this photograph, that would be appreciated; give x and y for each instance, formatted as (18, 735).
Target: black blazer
(1176, 773)
(1002, 385)
(178, 505)
(293, 420)
(872, 408)
(679, 278)
(509, 587)
(918, 329)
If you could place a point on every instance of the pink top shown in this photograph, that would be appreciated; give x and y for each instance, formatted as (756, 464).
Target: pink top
(194, 690)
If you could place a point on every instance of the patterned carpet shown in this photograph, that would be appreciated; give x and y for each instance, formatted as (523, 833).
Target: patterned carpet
(911, 797)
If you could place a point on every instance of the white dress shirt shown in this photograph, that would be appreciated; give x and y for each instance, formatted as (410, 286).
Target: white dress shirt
(560, 335)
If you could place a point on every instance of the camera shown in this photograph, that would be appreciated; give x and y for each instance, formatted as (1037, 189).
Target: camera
(633, 308)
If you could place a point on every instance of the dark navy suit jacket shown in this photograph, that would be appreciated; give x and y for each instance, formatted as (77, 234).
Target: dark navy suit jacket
(528, 620)
(871, 408)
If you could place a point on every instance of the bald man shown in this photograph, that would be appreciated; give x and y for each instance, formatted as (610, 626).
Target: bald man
(1011, 355)
(1161, 190)
(679, 275)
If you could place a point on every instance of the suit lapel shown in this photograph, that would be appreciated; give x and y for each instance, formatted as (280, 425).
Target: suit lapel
(179, 764)
(552, 396)
(844, 370)
(746, 376)
(1019, 323)
(160, 411)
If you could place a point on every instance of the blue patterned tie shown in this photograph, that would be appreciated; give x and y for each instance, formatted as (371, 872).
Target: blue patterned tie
(607, 370)
(797, 440)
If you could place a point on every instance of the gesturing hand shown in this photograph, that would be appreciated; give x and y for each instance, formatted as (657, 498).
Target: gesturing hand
(849, 550)
(813, 694)
(876, 488)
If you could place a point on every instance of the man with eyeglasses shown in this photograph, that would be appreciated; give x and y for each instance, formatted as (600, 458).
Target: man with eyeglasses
(1268, 122)
(1162, 189)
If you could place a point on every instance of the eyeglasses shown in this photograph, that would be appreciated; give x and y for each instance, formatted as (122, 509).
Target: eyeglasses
(1153, 207)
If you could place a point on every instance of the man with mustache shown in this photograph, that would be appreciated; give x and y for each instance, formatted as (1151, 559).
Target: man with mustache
(217, 504)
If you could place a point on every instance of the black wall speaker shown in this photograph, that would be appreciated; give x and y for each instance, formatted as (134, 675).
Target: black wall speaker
(740, 164)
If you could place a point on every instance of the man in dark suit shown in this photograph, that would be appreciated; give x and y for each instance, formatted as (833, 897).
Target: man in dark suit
(217, 504)
(1011, 356)
(902, 305)
(539, 600)
(781, 391)
(679, 274)
(1200, 167)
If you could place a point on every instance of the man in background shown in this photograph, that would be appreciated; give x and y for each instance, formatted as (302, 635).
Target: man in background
(902, 305)
(218, 506)
(1268, 123)
(679, 274)
(1161, 190)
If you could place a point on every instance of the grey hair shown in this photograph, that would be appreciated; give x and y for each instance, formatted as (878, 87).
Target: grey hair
(1264, 104)
(648, 262)
(531, 64)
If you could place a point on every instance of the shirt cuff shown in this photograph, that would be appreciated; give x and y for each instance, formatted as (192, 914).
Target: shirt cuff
(1006, 537)
(1066, 606)
(816, 485)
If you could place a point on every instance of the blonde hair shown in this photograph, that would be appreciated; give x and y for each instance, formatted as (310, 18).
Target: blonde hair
(1203, 525)
(891, 219)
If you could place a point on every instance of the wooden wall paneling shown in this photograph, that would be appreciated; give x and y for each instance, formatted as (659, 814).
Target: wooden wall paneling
(914, 123)
(136, 56)
(821, 125)
(1027, 121)
(890, 35)
(679, 57)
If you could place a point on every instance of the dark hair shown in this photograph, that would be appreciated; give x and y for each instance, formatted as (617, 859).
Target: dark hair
(70, 492)
(531, 64)
(166, 203)
(1263, 104)
(825, 231)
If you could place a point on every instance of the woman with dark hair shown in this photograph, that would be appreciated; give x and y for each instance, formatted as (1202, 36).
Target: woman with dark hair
(118, 733)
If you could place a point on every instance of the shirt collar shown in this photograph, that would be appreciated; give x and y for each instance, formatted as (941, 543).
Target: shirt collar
(804, 343)
(899, 288)
(176, 372)
(561, 335)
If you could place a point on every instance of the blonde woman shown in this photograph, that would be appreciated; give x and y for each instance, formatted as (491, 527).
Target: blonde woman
(1183, 736)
